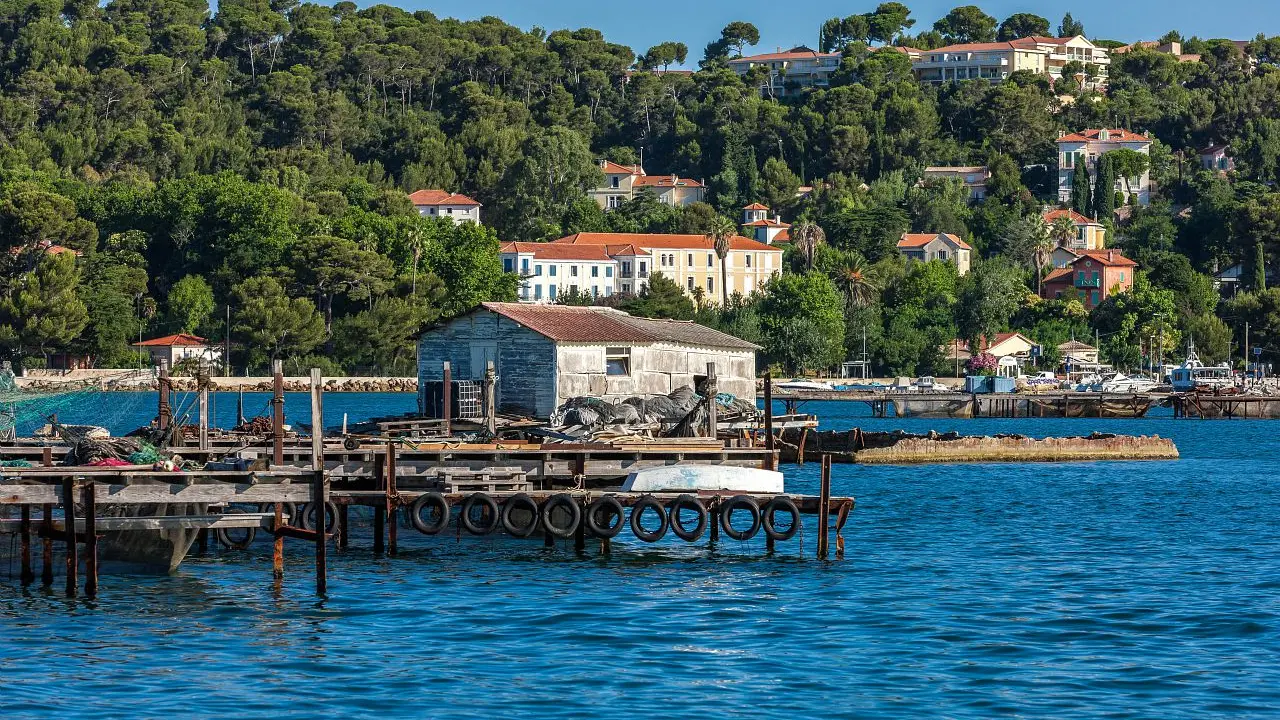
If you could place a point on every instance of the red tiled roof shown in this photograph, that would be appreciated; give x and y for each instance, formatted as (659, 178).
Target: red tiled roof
(1115, 136)
(553, 251)
(756, 206)
(627, 250)
(612, 168)
(788, 55)
(665, 181)
(956, 168)
(915, 240)
(665, 242)
(766, 223)
(1056, 274)
(1076, 217)
(1110, 258)
(439, 197)
(605, 325)
(178, 340)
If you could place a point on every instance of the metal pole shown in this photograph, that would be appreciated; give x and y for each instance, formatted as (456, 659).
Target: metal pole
(824, 507)
(46, 550)
(770, 463)
(390, 465)
(277, 550)
(240, 420)
(204, 416)
(319, 488)
(448, 399)
(226, 356)
(163, 413)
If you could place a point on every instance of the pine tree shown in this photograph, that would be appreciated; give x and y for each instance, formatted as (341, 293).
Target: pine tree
(1080, 200)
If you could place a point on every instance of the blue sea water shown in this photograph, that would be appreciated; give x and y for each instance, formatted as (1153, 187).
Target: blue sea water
(1088, 590)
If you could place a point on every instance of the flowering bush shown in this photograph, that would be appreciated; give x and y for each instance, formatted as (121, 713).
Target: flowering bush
(984, 364)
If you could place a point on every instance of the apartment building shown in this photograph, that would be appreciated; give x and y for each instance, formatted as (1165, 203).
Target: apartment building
(1087, 146)
(623, 182)
(548, 270)
(996, 61)
(974, 178)
(791, 72)
(438, 203)
(689, 260)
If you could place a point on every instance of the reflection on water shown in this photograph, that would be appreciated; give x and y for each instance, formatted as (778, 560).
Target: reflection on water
(1082, 590)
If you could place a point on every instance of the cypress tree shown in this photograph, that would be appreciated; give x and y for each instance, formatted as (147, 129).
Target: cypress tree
(1104, 191)
(1080, 200)
(1259, 268)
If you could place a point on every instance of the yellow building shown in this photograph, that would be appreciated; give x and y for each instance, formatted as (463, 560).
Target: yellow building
(689, 260)
(996, 61)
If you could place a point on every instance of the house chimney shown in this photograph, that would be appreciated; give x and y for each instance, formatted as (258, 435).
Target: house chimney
(1062, 133)
(1104, 134)
(1111, 256)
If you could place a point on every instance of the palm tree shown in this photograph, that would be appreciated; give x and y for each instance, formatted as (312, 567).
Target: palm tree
(721, 236)
(858, 288)
(1062, 230)
(807, 236)
(1041, 248)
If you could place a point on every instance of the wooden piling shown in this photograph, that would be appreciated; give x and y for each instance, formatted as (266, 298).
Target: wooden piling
(46, 457)
(28, 576)
(714, 520)
(277, 549)
(380, 510)
(90, 541)
(277, 412)
(448, 399)
(69, 532)
(713, 389)
(319, 483)
(46, 552)
(824, 508)
(490, 399)
(240, 418)
(203, 414)
(771, 463)
(580, 533)
(163, 413)
(342, 527)
(391, 499)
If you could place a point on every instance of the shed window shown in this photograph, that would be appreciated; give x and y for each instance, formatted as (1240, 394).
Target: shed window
(617, 361)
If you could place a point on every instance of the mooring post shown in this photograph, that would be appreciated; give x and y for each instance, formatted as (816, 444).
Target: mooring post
(824, 507)
(391, 499)
(770, 463)
(277, 547)
(714, 519)
(713, 389)
(46, 551)
(204, 414)
(69, 532)
(490, 399)
(342, 526)
(319, 485)
(46, 457)
(163, 413)
(28, 576)
(90, 541)
(277, 412)
(240, 419)
(448, 399)
(379, 510)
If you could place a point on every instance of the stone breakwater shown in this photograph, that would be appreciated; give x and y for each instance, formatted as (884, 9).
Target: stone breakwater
(226, 384)
(885, 448)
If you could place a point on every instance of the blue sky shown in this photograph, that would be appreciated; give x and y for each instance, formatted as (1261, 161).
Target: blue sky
(787, 23)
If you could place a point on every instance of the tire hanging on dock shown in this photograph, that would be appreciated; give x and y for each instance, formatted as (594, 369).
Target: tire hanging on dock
(224, 537)
(784, 504)
(288, 511)
(490, 518)
(566, 502)
(609, 506)
(432, 501)
(740, 502)
(516, 503)
(637, 511)
(687, 502)
(307, 517)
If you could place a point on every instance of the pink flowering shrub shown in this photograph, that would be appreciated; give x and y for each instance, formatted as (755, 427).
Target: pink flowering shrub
(984, 364)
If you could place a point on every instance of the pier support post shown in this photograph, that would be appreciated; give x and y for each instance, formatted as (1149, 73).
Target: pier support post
(46, 550)
(379, 510)
(277, 412)
(490, 399)
(240, 419)
(28, 576)
(771, 463)
(714, 519)
(580, 534)
(277, 549)
(392, 498)
(824, 508)
(163, 413)
(342, 526)
(319, 483)
(713, 389)
(448, 399)
(203, 413)
(90, 541)
(69, 531)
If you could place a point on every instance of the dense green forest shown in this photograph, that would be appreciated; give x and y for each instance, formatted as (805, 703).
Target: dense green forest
(249, 167)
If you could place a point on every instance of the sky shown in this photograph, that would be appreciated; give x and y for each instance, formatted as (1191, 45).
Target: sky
(787, 23)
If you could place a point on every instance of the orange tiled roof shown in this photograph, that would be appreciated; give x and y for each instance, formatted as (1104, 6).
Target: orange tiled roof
(766, 223)
(1076, 217)
(915, 240)
(440, 197)
(756, 206)
(665, 242)
(1115, 136)
(1110, 258)
(178, 340)
(612, 168)
(665, 181)
(788, 55)
(553, 251)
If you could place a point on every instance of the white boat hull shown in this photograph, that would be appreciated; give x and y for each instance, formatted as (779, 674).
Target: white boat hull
(694, 478)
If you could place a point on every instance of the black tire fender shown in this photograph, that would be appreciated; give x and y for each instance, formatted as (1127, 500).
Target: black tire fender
(646, 503)
(673, 517)
(607, 504)
(484, 500)
(288, 511)
(430, 500)
(520, 501)
(566, 501)
(784, 504)
(739, 502)
(224, 537)
(307, 517)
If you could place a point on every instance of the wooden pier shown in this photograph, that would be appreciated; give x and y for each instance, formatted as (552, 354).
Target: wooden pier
(990, 405)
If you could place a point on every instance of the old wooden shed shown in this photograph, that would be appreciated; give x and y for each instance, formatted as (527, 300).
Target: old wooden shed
(545, 354)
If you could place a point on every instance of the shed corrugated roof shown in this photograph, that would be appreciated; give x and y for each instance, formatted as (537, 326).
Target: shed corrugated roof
(564, 323)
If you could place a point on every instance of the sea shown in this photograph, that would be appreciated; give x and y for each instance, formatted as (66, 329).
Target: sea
(1081, 590)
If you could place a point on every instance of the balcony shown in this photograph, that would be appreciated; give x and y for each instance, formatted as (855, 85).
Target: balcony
(1088, 282)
